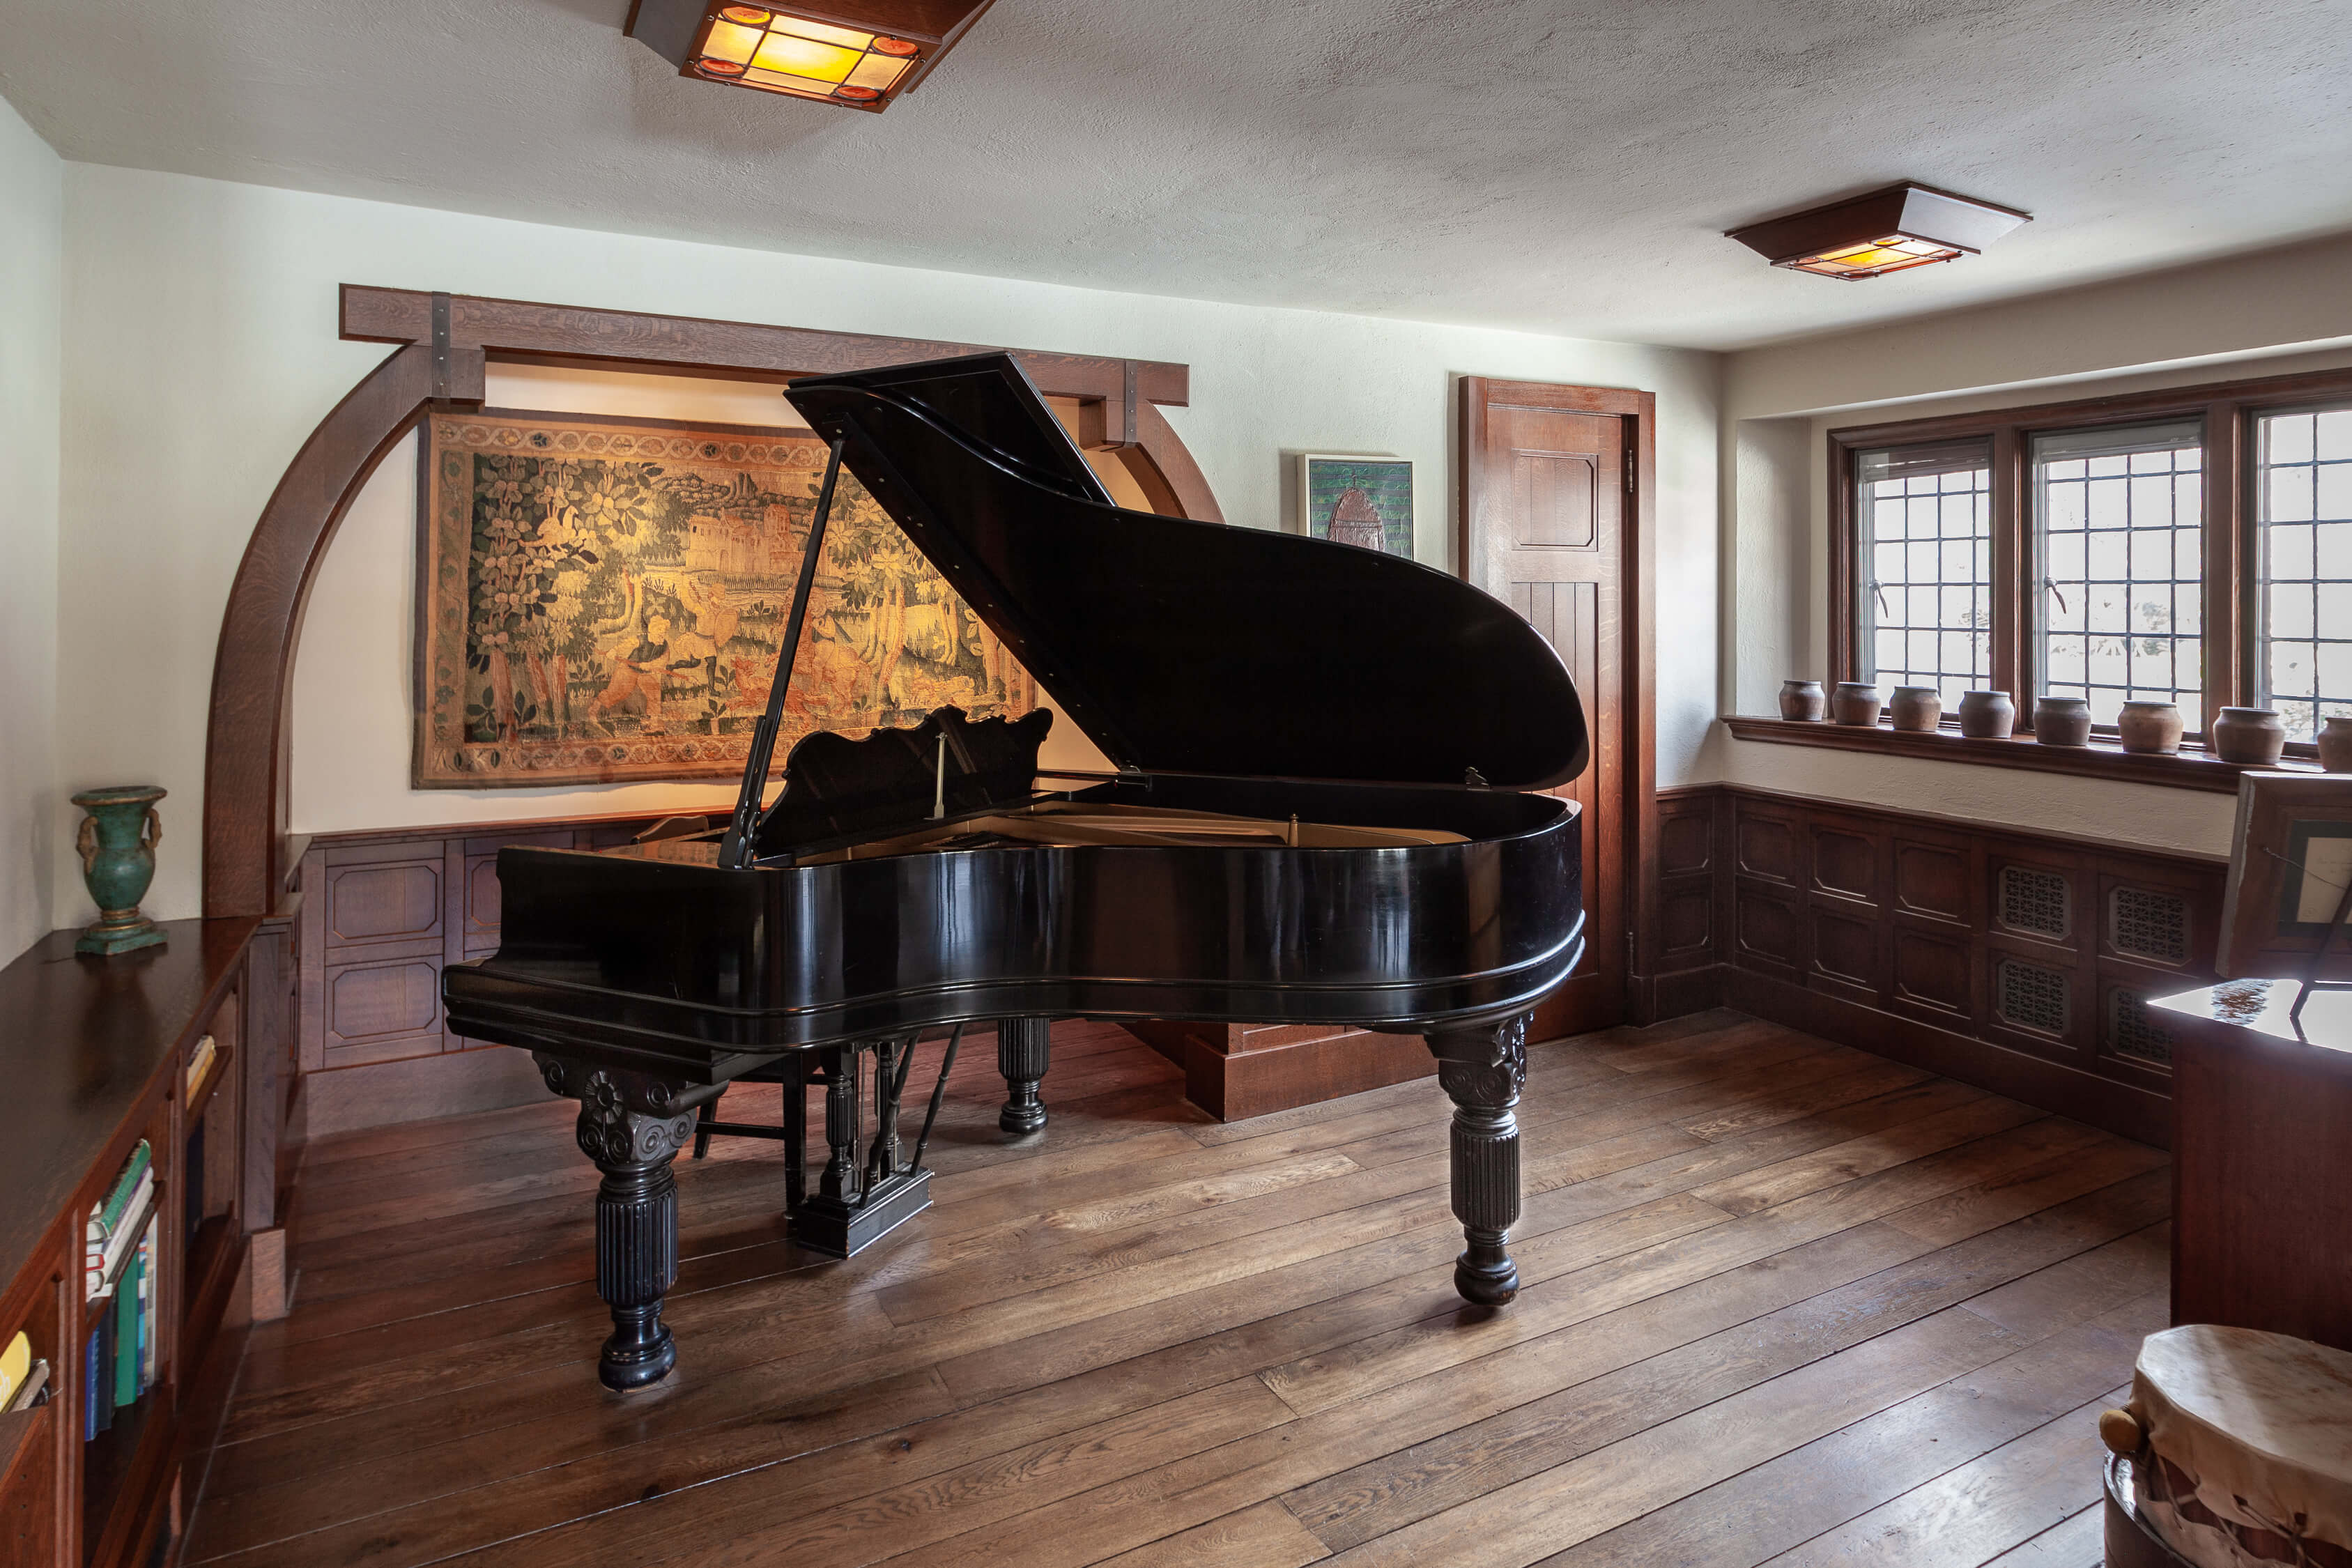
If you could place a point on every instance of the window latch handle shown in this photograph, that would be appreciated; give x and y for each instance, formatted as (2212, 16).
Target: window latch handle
(2056, 595)
(1880, 589)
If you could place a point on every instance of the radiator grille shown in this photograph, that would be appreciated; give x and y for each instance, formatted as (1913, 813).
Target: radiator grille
(2035, 902)
(2027, 997)
(2131, 1032)
(2145, 924)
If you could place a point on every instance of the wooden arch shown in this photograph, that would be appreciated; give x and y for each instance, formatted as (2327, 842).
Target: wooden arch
(445, 344)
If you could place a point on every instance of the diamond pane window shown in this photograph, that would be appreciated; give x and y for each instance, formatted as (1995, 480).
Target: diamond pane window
(1925, 569)
(2303, 509)
(2119, 529)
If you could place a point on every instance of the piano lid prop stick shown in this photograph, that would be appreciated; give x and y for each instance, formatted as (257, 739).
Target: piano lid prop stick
(940, 782)
(736, 849)
(938, 1093)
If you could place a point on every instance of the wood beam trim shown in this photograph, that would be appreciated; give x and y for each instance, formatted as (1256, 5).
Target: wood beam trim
(531, 333)
(247, 740)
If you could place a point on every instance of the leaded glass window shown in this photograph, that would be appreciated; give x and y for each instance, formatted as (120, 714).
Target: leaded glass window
(1926, 566)
(2303, 501)
(2118, 517)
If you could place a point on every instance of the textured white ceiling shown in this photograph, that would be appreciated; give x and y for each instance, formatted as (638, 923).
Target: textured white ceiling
(1556, 165)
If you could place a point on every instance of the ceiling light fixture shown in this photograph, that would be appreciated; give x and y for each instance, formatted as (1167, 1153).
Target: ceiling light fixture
(859, 54)
(1886, 231)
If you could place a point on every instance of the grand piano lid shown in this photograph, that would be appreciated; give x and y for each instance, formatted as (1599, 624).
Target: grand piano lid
(1186, 646)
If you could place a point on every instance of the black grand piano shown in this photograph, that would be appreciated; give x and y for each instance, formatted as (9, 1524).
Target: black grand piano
(1318, 815)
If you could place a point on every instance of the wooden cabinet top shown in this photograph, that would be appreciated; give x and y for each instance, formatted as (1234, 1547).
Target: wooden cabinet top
(82, 1041)
(2261, 1007)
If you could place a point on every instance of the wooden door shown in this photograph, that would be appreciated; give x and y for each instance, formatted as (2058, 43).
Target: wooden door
(1546, 485)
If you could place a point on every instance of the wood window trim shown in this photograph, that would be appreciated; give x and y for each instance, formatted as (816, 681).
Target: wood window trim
(2230, 610)
(2192, 768)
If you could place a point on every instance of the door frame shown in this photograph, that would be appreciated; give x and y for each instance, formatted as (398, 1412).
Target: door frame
(1637, 603)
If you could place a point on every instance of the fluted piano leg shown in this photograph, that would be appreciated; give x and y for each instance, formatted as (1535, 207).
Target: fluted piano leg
(632, 1125)
(1023, 1051)
(1483, 1070)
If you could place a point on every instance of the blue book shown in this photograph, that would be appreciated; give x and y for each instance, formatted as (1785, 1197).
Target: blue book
(89, 1388)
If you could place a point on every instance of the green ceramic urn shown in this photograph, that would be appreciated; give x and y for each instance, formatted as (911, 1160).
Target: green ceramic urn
(118, 860)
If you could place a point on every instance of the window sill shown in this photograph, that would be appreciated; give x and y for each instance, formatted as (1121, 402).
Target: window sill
(2104, 759)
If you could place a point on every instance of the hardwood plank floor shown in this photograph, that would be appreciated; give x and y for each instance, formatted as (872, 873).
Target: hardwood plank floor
(1784, 1301)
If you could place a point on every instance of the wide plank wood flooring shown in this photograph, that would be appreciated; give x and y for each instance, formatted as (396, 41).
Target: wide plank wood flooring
(1785, 1302)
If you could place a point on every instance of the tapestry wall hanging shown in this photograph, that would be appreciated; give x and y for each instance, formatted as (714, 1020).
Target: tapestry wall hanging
(600, 600)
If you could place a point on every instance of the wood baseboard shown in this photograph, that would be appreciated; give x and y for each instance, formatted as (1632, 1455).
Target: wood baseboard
(2120, 1108)
(451, 1083)
(1234, 1073)
(1681, 994)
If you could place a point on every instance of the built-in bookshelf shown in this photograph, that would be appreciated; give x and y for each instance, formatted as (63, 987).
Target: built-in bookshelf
(122, 1229)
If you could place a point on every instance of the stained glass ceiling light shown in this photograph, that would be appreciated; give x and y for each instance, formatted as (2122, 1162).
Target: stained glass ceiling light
(1902, 226)
(859, 54)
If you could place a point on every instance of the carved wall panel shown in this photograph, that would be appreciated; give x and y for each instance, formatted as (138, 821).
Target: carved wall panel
(1846, 863)
(1933, 880)
(2022, 961)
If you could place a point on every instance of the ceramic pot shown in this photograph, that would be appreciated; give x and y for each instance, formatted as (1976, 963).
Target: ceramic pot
(1805, 699)
(2253, 735)
(117, 843)
(1854, 702)
(1915, 708)
(2335, 744)
(2062, 721)
(1988, 716)
(2151, 729)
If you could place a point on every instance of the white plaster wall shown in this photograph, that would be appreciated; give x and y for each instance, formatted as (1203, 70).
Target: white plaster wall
(2275, 313)
(32, 809)
(200, 325)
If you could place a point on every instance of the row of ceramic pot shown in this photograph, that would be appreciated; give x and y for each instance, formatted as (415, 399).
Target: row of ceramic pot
(2248, 736)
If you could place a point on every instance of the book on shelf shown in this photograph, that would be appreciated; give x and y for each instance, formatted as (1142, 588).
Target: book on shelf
(15, 1365)
(103, 1262)
(200, 1062)
(37, 1387)
(111, 1211)
(98, 1366)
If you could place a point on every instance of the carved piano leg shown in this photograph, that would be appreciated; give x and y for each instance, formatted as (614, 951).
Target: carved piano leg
(1023, 1050)
(632, 1125)
(1483, 1070)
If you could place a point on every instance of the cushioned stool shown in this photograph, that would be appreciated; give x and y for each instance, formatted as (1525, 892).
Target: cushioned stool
(2238, 1444)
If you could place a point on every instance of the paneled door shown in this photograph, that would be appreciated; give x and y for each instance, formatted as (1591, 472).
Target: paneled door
(1547, 488)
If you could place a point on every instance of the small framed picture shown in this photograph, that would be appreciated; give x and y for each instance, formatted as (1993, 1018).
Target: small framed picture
(2290, 864)
(1364, 501)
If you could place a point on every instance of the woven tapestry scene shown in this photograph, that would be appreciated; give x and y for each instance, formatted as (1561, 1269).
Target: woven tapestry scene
(602, 600)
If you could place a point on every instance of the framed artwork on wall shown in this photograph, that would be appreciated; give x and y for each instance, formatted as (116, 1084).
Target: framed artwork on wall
(600, 600)
(2290, 869)
(1365, 502)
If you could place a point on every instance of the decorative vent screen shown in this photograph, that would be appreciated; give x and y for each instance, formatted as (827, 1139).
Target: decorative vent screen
(2148, 924)
(2035, 902)
(2131, 1032)
(2027, 997)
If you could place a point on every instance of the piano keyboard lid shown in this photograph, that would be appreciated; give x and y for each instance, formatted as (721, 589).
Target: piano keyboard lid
(1187, 646)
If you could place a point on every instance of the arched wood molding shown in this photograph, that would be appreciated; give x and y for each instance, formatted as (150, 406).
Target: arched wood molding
(445, 342)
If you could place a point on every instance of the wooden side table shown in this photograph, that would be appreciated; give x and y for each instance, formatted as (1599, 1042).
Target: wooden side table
(2261, 1159)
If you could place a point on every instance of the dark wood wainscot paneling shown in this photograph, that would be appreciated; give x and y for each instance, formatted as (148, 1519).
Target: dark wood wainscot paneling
(381, 914)
(2020, 961)
(1692, 912)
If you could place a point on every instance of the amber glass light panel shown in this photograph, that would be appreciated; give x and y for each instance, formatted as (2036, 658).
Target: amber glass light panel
(753, 46)
(1925, 567)
(2303, 498)
(1875, 257)
(2118, 542)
